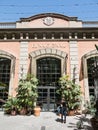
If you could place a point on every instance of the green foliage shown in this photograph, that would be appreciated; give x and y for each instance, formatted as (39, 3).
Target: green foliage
(10, 104)
(79, 124)
(90, 106)
(69, 91)
(27, 92)
(26, 95)
(2, 84)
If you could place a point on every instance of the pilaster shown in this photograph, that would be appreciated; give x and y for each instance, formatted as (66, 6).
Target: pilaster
(74, 61)
(23, 58)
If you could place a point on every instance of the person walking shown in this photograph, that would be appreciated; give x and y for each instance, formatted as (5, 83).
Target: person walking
(63, 112)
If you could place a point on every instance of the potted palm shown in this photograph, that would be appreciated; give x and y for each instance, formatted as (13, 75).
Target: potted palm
(27, 94)
(70, 92)
(11, 105)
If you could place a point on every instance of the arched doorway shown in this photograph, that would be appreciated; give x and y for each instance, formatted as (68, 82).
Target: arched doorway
(92, 68)
(48, 65)
(48, 73)
(90, 74)
(5, 65)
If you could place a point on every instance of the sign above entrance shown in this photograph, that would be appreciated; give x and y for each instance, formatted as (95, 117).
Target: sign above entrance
(49, 45)
(48, 21)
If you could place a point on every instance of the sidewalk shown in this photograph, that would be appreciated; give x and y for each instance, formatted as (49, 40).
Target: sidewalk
(46, 121)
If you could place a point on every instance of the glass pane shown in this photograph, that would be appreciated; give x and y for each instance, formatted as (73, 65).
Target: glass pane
(92, 68)
(4, 77)
(48, 71)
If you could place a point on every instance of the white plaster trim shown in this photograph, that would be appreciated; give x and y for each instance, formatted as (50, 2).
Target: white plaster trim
(23, 59)
(45, 53)
(74, 61)
(12, 69)
(85, 74)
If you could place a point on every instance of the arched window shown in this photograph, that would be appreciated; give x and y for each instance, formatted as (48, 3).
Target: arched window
(48, 71)
(5, 66)
(92, 68)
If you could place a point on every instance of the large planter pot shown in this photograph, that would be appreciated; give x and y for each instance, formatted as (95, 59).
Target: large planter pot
(23, 111)
(37, 110)
(94, 123)
(13, 112)
(71, 113)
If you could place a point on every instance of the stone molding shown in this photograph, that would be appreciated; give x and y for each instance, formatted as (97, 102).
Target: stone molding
(12, 70)
(74, 61)
(48, 52)
(85, 73)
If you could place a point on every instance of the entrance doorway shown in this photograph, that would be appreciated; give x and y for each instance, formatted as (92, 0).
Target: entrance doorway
(48, 74)
(46, 98)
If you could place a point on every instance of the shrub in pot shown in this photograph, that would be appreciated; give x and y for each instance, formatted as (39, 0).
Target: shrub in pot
(27, 93)
(90, 106)
(11, 106)
(70, 92)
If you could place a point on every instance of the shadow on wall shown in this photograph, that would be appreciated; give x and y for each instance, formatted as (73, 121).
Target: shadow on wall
(81, 76)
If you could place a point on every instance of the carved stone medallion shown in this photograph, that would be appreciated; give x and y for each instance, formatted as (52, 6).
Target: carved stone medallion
(48, 21)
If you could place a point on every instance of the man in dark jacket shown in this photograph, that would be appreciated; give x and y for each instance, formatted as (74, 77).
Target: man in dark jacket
(63, 112)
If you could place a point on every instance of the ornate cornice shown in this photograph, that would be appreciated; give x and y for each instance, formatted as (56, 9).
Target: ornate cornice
(48, 15)
(49, 34)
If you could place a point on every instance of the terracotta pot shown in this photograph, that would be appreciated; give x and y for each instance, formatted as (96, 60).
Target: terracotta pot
(37, 110)
(23, 111)
(71, 113)
(13, 112)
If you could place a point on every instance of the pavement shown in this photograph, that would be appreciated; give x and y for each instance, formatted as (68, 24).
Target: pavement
(46, 121)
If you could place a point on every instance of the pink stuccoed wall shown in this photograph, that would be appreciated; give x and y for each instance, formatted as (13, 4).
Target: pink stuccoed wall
(59, 45)
(14, 49)
(84, 47)
(57, 23)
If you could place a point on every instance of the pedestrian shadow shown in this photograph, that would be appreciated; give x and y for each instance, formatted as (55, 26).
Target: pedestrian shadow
(58, 120)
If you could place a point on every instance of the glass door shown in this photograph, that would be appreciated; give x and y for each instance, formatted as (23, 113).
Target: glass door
(48, 74)
(46, 98)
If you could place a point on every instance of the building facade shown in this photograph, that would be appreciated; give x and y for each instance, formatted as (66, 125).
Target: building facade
(48, 46)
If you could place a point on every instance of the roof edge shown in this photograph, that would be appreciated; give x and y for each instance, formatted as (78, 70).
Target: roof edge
(48, 15)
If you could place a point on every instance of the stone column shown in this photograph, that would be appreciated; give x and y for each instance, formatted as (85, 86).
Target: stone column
(74, 61)
(23, 59)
